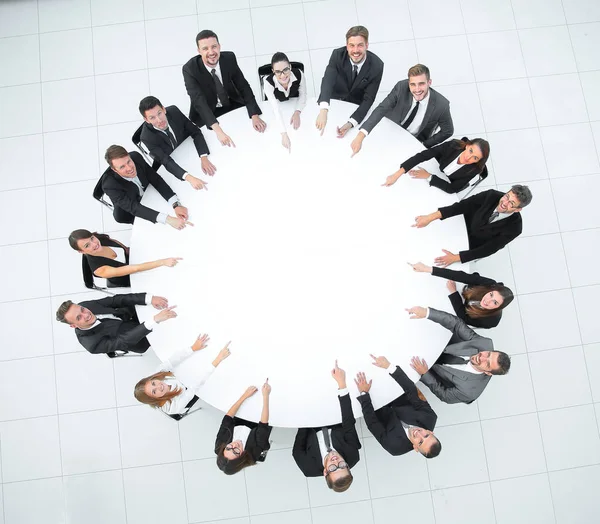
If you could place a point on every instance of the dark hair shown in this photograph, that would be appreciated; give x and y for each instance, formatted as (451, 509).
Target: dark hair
(79, 234)
(231, 467)
(279, 57)
(523, 194)
(341, 484)
(484, 145)
(478, 292)
(418, 70)
(358, 30)
(62, 311)
(114, 152)
(148, 103)
(503, 364)
(205, 33)
(434, 450)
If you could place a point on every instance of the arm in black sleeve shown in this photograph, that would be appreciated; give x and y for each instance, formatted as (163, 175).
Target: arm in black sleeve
(462, 206)
(458, 305)
(225, 433)
(471, 279)
(244, 88)
(375, 426)
(159, 184)
(383, 109)
(165, 159)
(263, 431)
(348, 421)
(329, 78)
(194, 131)
(409, 387)
(122, 342)
(454, 186)
(197, 98)
(427, 154)
(489, 248)
(369, 94)
(122, 199)
(122, 300)
(446, 129)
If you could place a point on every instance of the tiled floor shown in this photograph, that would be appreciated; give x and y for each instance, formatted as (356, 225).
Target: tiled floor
(74, 446)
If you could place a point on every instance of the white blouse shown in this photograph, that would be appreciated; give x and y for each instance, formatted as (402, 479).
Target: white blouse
(300, 101)
(453, 167)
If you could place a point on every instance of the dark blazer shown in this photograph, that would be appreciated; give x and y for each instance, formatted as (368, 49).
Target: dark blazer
(201, 88)
(160, 146)
(456, 299)
(445, 153)
(452, 385)
(115, 335)
(386, 423)
(257, 443)
(98, 262)
(396, 105)
(337, 82)
(344, 440)
(484, 238)
(125, 194)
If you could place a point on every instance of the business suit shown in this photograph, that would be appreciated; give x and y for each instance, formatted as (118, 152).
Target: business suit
(257, 443)
(202, 91)
(386, 423)
(484, 238)
(125, 195)
(446, 153)
(160, 145)
(344, 440)
(337, 82)
(397, 104)
(453, 385)
(112, 335)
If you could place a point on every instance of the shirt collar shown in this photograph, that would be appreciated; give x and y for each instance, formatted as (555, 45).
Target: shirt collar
(278, 84)
(162, 130)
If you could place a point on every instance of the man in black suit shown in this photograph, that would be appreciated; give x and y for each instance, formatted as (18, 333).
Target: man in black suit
(404, 424)
(330, 451)
(413, 105)
(125, 182)
(162, 133)
(467, 364)
(111, 324)
(352, 75)
(216, 85)
(492, 218)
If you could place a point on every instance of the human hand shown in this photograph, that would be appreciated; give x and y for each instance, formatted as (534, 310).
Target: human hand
(322, 120)
(393, 178)
(419, 267)
(266, 388)
(380, 362)
(422, 221)
(165, 314)
(285, 142)
(159, 302)
(177, 223)
(258, 124)
(419, 365)
(196, 183)
(208, 168)
(295, 120)
(182, 211)
(356, 144)
(249, 392)
(223, 354)
(224, 139)
(339, 375)
(418, 173)
(451, 285)
(341, 131)
(447, 259)
(361, 382)
(417, 312)
(200, 342)
(170, 262)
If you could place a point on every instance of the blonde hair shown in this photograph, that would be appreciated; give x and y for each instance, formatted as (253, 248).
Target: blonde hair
(140, 394)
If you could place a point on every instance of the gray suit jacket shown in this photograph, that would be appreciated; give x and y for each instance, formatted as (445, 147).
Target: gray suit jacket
(452, 385)
(396, 105)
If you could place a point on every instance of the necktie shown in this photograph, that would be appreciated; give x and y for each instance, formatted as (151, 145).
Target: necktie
(221, 93)
(493, 217)
(411, 117)
(327, 439)
(354, 73)
(447, 358)
(171, 138)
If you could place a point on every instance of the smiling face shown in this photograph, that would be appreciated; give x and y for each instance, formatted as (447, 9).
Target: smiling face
(282, 71)
(421, 439)
(124, 167)
(471, 155)
(210, 51)
(485, 361)
(333, 458)
(357, 48)
(79, 317)
(419, 86)
(156, 388)
(509, 203)
(157, 117)
(89, 246)
(233, 450)
(491, 300)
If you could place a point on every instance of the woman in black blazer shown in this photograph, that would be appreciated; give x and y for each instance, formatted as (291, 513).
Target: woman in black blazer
(482, 300)
(240, 443)
(460, 160)
(109, 259)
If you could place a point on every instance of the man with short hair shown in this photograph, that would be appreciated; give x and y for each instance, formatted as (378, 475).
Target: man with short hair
(126, 181)
(493, 219)
(111, 324)
(162, 133)
(216, 85)
(416, 107)
(352, 75)
(404, 424)
(467, 363)
(330, 451)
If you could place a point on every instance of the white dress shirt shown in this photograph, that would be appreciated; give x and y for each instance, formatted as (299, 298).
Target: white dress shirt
(217, 69)
(242, 433)
(501, 216)
(270, 94)
(468, 367)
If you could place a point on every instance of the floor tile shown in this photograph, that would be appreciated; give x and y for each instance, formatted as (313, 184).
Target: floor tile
(496, 56)
(574, 496)
(299, 516)
(358, 511)
(450, 414)
(128, 371)
(537, 13)
(20, 60)
(590, 81)
(584, 303)
(574, 201)
(167, 83)
(547, 51)
(16, 321)
(508, 336)
(506, 105)
(439, 54)
(159, 9)
(397, 56)
(579, 11)
(487, 15)
(551, 106)
(558, 427)
(78, 95)
(396, 25)
(83, 160)
(231, 5)
(178, 47)
(499, 265)
(197, 435)
(18, 18)
(95, 498)
(450, 506)
(560, 378)
(106, 12)
(272, 33)
(415, 507)
(48, 497)
(118, 97)
(525, 500)
(110, 56)
(592, 359)
(21, 107)
(89, 441)
(59, 15)
(76, 44)
(586, 39)
(12, 151)
(340, 15)
(25, 284)
(441, 18)
(465, 108)
(234, 29)
(32, 229)
(30, 449)
(572, 137)
(580, 247)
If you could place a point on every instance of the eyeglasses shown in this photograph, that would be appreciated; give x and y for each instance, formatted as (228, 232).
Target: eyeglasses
(511, 204)
(283, 71)
(235, 451)
(334, 467)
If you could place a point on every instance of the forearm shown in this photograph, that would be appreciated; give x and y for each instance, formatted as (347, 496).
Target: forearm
(112, 272)
(264, 416)
(234, 409)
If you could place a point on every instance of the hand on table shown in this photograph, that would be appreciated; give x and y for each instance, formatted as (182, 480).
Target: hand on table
(200, 342)
(224, 139)
(196, 183)
(422, 221)
(361, 382)
(295, 120)
(419, 365)
(356, 144)
(419, 173)
(393, 178)
(417, 312)
(341, 131)
(181, 212)
(178, 223)
(419, 267)
(170, 262)
(266, 388)
(285, 142)
(447, 259)
(258, 124)
(223, 354)
(451, 285)
(322, 120)
(380, 362)
(165, 314)
(159, 302)
(249, 392)
(208, 168)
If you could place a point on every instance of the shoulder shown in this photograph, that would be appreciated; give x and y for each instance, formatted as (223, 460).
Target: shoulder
(173, 110)
(147, 130)
(227, 57)
(192, 64)
(136, 157)
(375, 60)
(401, 86)
(339, 53)
(438, 97)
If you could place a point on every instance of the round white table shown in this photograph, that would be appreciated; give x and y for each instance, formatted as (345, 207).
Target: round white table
(299, 259)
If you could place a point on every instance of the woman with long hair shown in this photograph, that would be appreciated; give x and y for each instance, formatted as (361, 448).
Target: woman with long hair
(460, 160)
(164, 391)
(241, 443)
(482, 299)
(109, 259)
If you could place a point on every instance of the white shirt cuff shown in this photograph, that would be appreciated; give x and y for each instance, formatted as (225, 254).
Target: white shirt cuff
(162, 218)
(429, 178)
(324, 105)
(353, 122)
(365, 132)
(391, 368)
(150, 324)
(203, 155)
(427, 314)
(342, 392)
(148, 299)
(172, 200)
(185, 175)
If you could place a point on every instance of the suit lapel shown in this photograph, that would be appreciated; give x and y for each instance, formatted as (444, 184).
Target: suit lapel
(430, 109)
(361, 74)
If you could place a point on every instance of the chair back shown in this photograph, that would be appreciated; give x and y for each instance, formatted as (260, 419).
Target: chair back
(98, 192)
(137, 140)
(187, 410)
(265, 70)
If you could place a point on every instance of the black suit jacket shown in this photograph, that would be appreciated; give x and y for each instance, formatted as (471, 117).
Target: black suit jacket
(445, 153)
(484, 238)
(125, 194)
(344, 440)
(386, 423)
(396, 105)
(160, 146)
(337, 82)
(201, 88)
(115, 335)
(257, 443)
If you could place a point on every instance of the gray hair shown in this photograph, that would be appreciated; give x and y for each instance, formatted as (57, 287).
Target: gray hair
(523, 194)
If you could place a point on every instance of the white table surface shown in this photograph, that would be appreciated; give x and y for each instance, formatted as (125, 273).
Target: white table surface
(299, 259)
